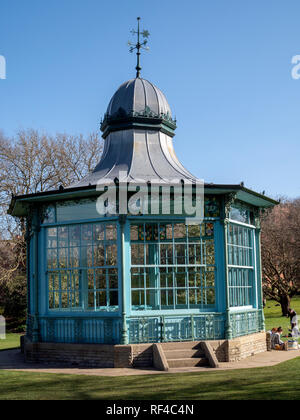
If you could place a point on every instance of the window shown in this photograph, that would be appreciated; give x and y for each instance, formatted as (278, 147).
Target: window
(172, 266)
(241, 214)
(68, 210)
(240, 265)
(82, 267)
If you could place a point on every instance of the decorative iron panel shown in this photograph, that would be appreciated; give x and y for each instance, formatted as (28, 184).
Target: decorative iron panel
(244, 323)
(80, 330)
(176, 328)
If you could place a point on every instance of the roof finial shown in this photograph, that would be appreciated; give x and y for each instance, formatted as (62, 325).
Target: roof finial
(139, 45)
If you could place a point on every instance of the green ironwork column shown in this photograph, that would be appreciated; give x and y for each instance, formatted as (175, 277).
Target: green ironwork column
(259, 270)
(27, 239)
(124, 337)
(228, 329)
(229, 200)
(35, 232)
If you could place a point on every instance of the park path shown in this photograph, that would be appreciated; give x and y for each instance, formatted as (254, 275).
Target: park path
(13, 360)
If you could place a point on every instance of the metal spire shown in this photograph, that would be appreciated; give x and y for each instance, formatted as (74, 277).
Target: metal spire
(139, 45)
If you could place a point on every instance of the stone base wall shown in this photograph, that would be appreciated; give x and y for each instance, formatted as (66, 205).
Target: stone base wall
(89, 355)
(73, 355)
(245, 346)
(132, 355)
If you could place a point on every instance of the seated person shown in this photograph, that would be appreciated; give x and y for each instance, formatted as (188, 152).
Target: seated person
(276, 342)
(273, 331)
(294, 323)
(295, 332)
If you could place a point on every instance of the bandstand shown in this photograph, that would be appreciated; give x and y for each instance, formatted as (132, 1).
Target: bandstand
(122, 281)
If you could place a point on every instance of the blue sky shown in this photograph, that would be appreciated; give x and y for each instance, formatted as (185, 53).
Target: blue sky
(225, 67)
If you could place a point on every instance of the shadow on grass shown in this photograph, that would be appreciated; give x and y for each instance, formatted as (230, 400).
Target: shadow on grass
(279, 382)
(10, 348)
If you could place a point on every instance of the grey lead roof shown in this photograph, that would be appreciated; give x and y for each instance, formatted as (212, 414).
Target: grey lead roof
(139, 153)
(137, 94)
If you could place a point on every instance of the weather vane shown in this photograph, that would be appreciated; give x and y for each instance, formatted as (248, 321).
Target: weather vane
(139, 45)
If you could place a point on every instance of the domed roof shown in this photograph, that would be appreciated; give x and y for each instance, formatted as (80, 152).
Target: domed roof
(137, 95)
(139, 104)
(138, 131)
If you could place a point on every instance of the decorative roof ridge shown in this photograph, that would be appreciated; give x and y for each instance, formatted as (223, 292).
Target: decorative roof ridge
(147, 112)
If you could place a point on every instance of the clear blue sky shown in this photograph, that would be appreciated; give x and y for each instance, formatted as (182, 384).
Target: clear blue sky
(225, 67)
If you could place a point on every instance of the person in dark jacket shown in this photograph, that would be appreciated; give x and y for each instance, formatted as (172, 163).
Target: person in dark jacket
(277, 343)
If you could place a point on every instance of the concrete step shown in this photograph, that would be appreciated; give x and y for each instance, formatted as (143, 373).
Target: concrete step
(183, 353)
(188, 362)
(178, 345)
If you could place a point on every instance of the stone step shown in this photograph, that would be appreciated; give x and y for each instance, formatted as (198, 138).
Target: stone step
(178, 345)
(183, 353)
(188, 362)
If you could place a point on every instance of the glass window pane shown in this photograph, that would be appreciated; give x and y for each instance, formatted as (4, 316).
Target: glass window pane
(179, 231)
(52, 238)
(137, 254)
(192, 296)
(100, 279)
(91, 279)
(180, 279)
(111, 255)
(210, 296)
(49, 214)
(74, 257)
(113, 281)
(181, 296)
(98, 231)
(64, 281)
(86, 234)
(101, 298)
(51, 300)
(63, 258)
(111, 232)
(52, 258)
(194, 232)
(91, 300)
(180, 254)
(99, 256)
(63, 236)
(239, 214)
(169, 232)
(113, 298)
(86, 256)
(166, 254)
(134, 236)
(137, 298)
(64, 300)
(151, 299)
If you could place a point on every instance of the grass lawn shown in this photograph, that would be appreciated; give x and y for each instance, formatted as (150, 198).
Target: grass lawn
(272, 383)
(280, 382)
(275, 319)
(12, 341)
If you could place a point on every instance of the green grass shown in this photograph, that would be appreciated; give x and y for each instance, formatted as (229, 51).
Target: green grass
(272, 383)
(12, 341)
(274, 317)
(280, 382)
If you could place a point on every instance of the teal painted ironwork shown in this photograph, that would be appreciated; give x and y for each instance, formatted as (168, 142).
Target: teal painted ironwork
(153, 329)
(81, 330)
(244, 323)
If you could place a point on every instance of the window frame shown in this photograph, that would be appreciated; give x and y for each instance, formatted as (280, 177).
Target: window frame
(245, 274)
(84, 270)
(201, 304)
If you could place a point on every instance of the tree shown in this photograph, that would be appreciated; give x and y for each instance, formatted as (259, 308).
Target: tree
(281, 253)
(29, 163)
